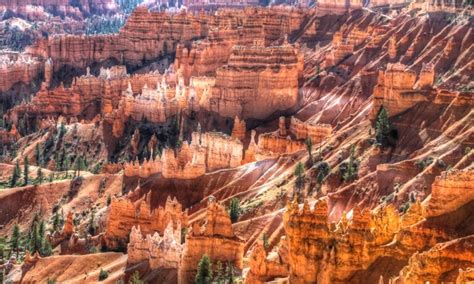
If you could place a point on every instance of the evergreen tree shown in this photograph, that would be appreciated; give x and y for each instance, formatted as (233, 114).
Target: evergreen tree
(135, 279)
(15, 175)
(41, 235)
(15, 240)
(77, 166)
(26, 168)
(91, 228)
(382, 127)
(38, 155)
(220, 273)
(204, 271)
(349, 169)
(39, 176)
(109, 200)
(57, 221)
(47, 249)
(309, 148)
(234, 210)
(266, 244)
(299, 173)
(230, 273)
(323, 170)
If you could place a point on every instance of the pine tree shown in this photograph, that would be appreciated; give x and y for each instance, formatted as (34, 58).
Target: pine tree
(91, 226)
(39, 176)
(41, 234)
(230, 273)
(220, 273)
(15, 175)
(78, 166)
(26, 168)
(323, 170)
(309, 148)
(382, 127)
(266, 244)
(234, 210)
(109, 200)
(299, 173)
(204, 271)
(135, 279)
(349, 169)
(38, 155)
(15, 240)
(57, 221)
(46, 249)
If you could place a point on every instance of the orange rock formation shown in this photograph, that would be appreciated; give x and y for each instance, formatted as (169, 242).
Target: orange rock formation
(216, 239)
(124, 215)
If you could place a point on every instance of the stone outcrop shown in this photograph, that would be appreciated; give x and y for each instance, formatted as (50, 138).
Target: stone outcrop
(450, 191)
(18, 68)
(145, 36)
(271, 144)
(397, 89)
(265, 266)
(215, 239)
(160, 252)
(229, 28)
(123, 215)
(239, 128)
(257, 81)
(440, 264)
(324, 252)
(204, 4)
(293, 139)
(30, 8)
(207, 152)
(307, 130)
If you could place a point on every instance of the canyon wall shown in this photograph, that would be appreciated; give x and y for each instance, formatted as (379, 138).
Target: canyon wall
(324, 252)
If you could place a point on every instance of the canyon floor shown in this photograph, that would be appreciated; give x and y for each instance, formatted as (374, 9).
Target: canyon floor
(282, 144)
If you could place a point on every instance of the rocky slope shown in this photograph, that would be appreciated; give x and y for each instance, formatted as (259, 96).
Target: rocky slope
(345, 137)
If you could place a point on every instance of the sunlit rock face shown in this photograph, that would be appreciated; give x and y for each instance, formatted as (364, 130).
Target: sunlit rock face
(160, 252)
(207, 152)
(276, 108)
(450, 191)
(257, 81)
(16, 68)
(215, 239)
(124, 215)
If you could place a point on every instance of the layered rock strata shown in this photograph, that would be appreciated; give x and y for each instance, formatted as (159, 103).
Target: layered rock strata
(257, 81)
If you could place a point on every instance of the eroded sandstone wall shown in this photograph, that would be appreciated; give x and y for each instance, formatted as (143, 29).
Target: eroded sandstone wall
(160, 252)
(257, 81)
(124, 214)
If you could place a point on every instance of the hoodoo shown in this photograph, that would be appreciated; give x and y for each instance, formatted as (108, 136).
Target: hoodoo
(289, 141)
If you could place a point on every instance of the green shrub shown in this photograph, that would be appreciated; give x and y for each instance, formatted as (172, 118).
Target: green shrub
(103, 274)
